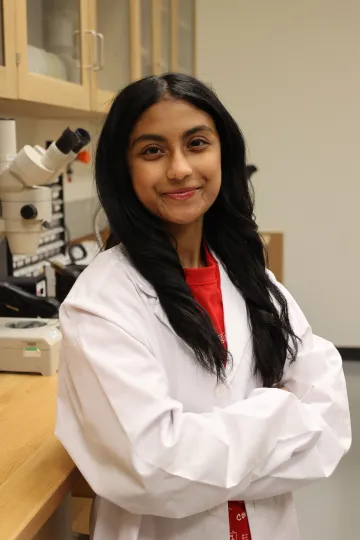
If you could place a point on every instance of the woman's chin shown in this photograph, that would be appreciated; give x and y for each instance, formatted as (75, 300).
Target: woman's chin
(183, 219)
(184, 215)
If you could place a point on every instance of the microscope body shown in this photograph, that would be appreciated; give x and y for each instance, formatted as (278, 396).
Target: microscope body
(25, 201)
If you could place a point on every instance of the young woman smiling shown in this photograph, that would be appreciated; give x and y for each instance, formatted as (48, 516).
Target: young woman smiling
(193, 395)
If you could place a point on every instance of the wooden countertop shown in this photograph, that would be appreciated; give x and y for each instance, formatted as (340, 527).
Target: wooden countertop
(35, 470)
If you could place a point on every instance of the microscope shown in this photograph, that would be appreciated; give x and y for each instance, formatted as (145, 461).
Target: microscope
(30, 344)
(26, 202)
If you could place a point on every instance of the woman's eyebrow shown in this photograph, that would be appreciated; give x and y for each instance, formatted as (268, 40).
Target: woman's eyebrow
(148, 137)
(193, 130)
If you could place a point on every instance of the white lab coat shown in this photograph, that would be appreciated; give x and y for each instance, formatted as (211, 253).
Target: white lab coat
(161, 443)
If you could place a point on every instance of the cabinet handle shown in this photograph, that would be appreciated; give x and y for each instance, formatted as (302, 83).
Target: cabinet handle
(100, 52)
(95, 63)
(92, 33)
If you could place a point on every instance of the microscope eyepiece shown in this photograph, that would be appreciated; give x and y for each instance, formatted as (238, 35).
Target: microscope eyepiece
(83, 138)
(66, 142)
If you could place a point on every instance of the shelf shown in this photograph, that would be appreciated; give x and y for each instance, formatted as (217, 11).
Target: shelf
(21, 107)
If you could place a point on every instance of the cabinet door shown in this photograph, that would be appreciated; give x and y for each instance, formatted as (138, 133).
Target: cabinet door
(54, 49)
(144, 37)
(148, 36)
(8, 87)
(128, 45)
(112, 70)
(183, 54)
(165, 33)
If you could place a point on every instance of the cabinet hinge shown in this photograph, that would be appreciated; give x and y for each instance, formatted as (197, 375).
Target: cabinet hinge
(18, 58)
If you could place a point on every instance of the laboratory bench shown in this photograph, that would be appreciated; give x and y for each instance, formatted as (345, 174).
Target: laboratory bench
(37, 476)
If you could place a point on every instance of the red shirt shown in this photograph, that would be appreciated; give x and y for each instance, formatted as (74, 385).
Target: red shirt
(205, 287)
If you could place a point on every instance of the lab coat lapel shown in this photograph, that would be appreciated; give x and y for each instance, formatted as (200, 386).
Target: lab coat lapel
(235, 315)
(160, 314)
(153, 300)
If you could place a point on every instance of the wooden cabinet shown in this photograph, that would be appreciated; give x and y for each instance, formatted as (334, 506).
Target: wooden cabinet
(127, 33)
(145, 53)
(54, 45)
(274, 245)
(76, 54)
(8, 80)
(165, 36)
(176, 24)
(184, 36)
(112, 70)
(139, 38)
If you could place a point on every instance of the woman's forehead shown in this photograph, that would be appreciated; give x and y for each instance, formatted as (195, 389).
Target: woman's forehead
(171, 117)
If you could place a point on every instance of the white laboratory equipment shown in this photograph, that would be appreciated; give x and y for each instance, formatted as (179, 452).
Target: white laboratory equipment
(30, 345)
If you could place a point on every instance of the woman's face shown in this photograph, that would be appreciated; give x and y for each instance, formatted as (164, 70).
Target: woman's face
(175, 161)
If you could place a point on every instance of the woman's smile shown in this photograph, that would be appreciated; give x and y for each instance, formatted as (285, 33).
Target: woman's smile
(182, 194)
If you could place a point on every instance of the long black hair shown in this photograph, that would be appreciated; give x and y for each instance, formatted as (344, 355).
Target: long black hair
(230, 231)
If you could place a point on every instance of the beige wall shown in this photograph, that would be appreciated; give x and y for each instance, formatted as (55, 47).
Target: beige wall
(289, 72)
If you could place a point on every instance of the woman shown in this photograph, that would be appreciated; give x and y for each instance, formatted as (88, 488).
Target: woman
(189, 377)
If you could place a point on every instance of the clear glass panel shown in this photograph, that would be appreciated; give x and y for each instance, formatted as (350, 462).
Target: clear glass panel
(186, 36)
(54, 47)
(166, 35)
(146, 38)
(2, 47)
(113, 21)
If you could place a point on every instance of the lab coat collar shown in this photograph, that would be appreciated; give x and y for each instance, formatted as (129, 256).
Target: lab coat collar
(149, 290)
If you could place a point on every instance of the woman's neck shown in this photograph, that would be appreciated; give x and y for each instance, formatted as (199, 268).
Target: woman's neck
(188, 243)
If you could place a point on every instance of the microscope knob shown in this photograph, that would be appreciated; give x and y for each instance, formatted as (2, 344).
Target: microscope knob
(29, 211)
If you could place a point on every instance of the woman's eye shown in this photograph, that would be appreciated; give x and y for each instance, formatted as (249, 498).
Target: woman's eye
(198, 143)
(151, 151)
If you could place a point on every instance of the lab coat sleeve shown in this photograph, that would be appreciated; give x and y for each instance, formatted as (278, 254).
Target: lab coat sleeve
(317, 380)
(136, 446)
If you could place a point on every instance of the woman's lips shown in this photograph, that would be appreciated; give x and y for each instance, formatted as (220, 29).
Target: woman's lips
(182, 194)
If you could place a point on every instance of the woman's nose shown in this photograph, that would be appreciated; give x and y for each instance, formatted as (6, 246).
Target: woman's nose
(179, 167)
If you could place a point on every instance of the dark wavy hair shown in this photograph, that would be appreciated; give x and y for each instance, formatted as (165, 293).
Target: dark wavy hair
(230, 231)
